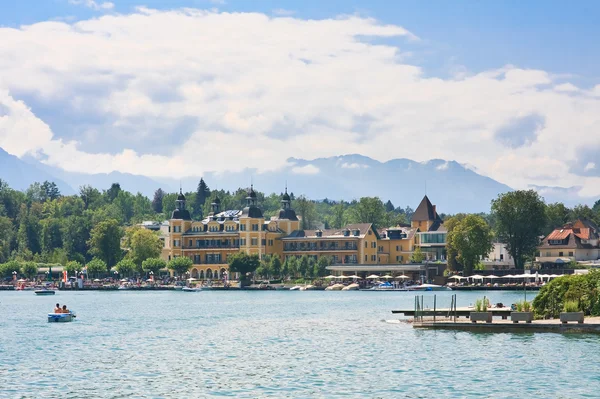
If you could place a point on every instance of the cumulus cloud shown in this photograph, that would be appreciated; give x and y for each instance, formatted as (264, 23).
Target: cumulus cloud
(182, 98)
(309, 169)
(106, 5)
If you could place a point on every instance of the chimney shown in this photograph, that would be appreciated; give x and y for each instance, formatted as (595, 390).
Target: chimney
(434, 212)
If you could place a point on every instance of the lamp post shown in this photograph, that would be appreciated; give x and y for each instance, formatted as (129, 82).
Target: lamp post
(151, 275)
(116, 273)
(14, 274)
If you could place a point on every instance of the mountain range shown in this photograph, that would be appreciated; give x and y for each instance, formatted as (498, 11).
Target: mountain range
(452, 186)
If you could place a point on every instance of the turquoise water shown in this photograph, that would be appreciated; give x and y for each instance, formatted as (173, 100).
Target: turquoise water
(275, 344)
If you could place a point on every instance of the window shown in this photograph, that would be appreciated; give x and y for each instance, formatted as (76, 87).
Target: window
(373, 258)
(254, 242)
(366, 258)
(242, 241)
(560, 253)
(196, 259)
(548, 253)
(270, 243)
(255, 227)
(366, 244)
(570, 253)
(263, 242)
(190, 243)
(176, 243)
(373, 244)
(397, 247)
(242, 227)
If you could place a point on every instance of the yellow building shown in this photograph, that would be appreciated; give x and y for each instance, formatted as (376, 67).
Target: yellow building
(208, 243)
(358, 247)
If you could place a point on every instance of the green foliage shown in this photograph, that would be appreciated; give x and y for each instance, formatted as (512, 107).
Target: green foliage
(520, 220)
(6, 269)
(202, 194)
(571, 306)
(125, 267)
(470, 239)
(180, 265)
(583, 289)
(478, 305)
(73, 267)
(105, 241)
(369, 210)
(142, 244)
(96, 268)
(30, 269)
(523, 306)
(243, 264)
(153, 265)
(305, 209)
(417, 256)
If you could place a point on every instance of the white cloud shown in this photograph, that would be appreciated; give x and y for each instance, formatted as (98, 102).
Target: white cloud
(589, 166)
(270, 89)
(353, 165)
(283, 12)
(442, 166)
(107, 5)
(566, 87)
(309, 169)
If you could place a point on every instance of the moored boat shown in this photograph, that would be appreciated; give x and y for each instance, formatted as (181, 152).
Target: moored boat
(351, 287)
(296, 288)
(428, 287)
(335, 287)
(191, 289)
(45, 292)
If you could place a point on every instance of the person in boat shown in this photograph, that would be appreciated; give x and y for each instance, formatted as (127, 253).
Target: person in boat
(57, 309)
(65, 310)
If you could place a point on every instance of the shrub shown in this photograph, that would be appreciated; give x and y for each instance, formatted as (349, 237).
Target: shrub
(478, 305)
(584, 289)
(571, 306)
(523, 306)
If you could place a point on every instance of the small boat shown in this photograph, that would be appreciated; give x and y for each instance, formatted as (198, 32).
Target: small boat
(308, 287)
(45, 292)
(61, 317)
(191, 289)
(428, 287)
(296, 288)
(335, 287)
(351, 287)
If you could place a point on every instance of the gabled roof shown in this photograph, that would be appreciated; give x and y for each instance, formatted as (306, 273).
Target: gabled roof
(425, 211)
(363, 229)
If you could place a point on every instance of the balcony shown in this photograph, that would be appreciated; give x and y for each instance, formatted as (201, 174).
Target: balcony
(214, 246)
(317, 248)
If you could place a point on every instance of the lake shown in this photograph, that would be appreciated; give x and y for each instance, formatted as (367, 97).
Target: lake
(277, 344)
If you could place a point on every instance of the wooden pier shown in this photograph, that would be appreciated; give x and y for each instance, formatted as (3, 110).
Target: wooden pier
(590, 326)
(459, 312)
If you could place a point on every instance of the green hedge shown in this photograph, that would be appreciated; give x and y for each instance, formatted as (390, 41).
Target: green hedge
(584, 289)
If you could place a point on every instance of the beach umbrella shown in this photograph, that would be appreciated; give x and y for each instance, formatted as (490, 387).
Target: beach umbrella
(341, 276)
(402, 277)
(508, 276)
(21, 280)
(149, 280)
(97, 280)
(457, 277)
(476, 277)
(386, 276)
(491, 276)
(330, 277)
(354, 276)
(124, 280)
(373, 276)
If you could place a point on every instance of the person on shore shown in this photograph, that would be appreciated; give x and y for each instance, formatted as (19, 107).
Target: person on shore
(57, 309)
(65, 310)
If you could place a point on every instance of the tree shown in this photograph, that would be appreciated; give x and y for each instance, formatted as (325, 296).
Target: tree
(7, 235)
(243, 264)
(471, 240)
(338, 220)
(50, 190)
(389, 207)
(369, 210)
(113, 191)
(91, 197)
(520, 220)
(320, 268)
(451, 253)
(105, 241)
(180, 265)
(7, 269)
(73, 267)
(202, 194)
(153, 265)
(306, 211)
(157, 204)
(96, 267)
(292, 266)
(276, 266)
(583, 212)
(417, 256)
(557, 215)
(303, 267)
(125, 267)
(30, 270)
(142, 244)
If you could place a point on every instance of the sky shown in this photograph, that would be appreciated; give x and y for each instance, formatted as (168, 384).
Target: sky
(179, 88)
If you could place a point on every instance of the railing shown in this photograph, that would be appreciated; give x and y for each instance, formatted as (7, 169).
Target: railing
(210, 246)
(349, 248)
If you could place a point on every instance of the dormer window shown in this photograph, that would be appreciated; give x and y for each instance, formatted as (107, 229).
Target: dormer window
(319, 233)
(346, 233)
(356, 233)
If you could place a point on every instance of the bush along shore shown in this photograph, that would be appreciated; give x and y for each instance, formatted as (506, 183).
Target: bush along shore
(572, 293)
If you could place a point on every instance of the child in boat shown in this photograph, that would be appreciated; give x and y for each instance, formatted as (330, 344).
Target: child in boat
(65, 310)
(57, 309)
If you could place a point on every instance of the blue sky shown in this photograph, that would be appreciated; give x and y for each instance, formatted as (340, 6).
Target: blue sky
(510, 88)
(557, 36)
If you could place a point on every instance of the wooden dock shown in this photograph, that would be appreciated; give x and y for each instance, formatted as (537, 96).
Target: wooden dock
(460, 312)
(590, 326)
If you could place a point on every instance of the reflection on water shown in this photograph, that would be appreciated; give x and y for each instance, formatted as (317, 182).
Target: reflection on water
(274, 344)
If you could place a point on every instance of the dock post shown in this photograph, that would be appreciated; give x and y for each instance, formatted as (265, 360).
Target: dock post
(434, 307)
(422, 308)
